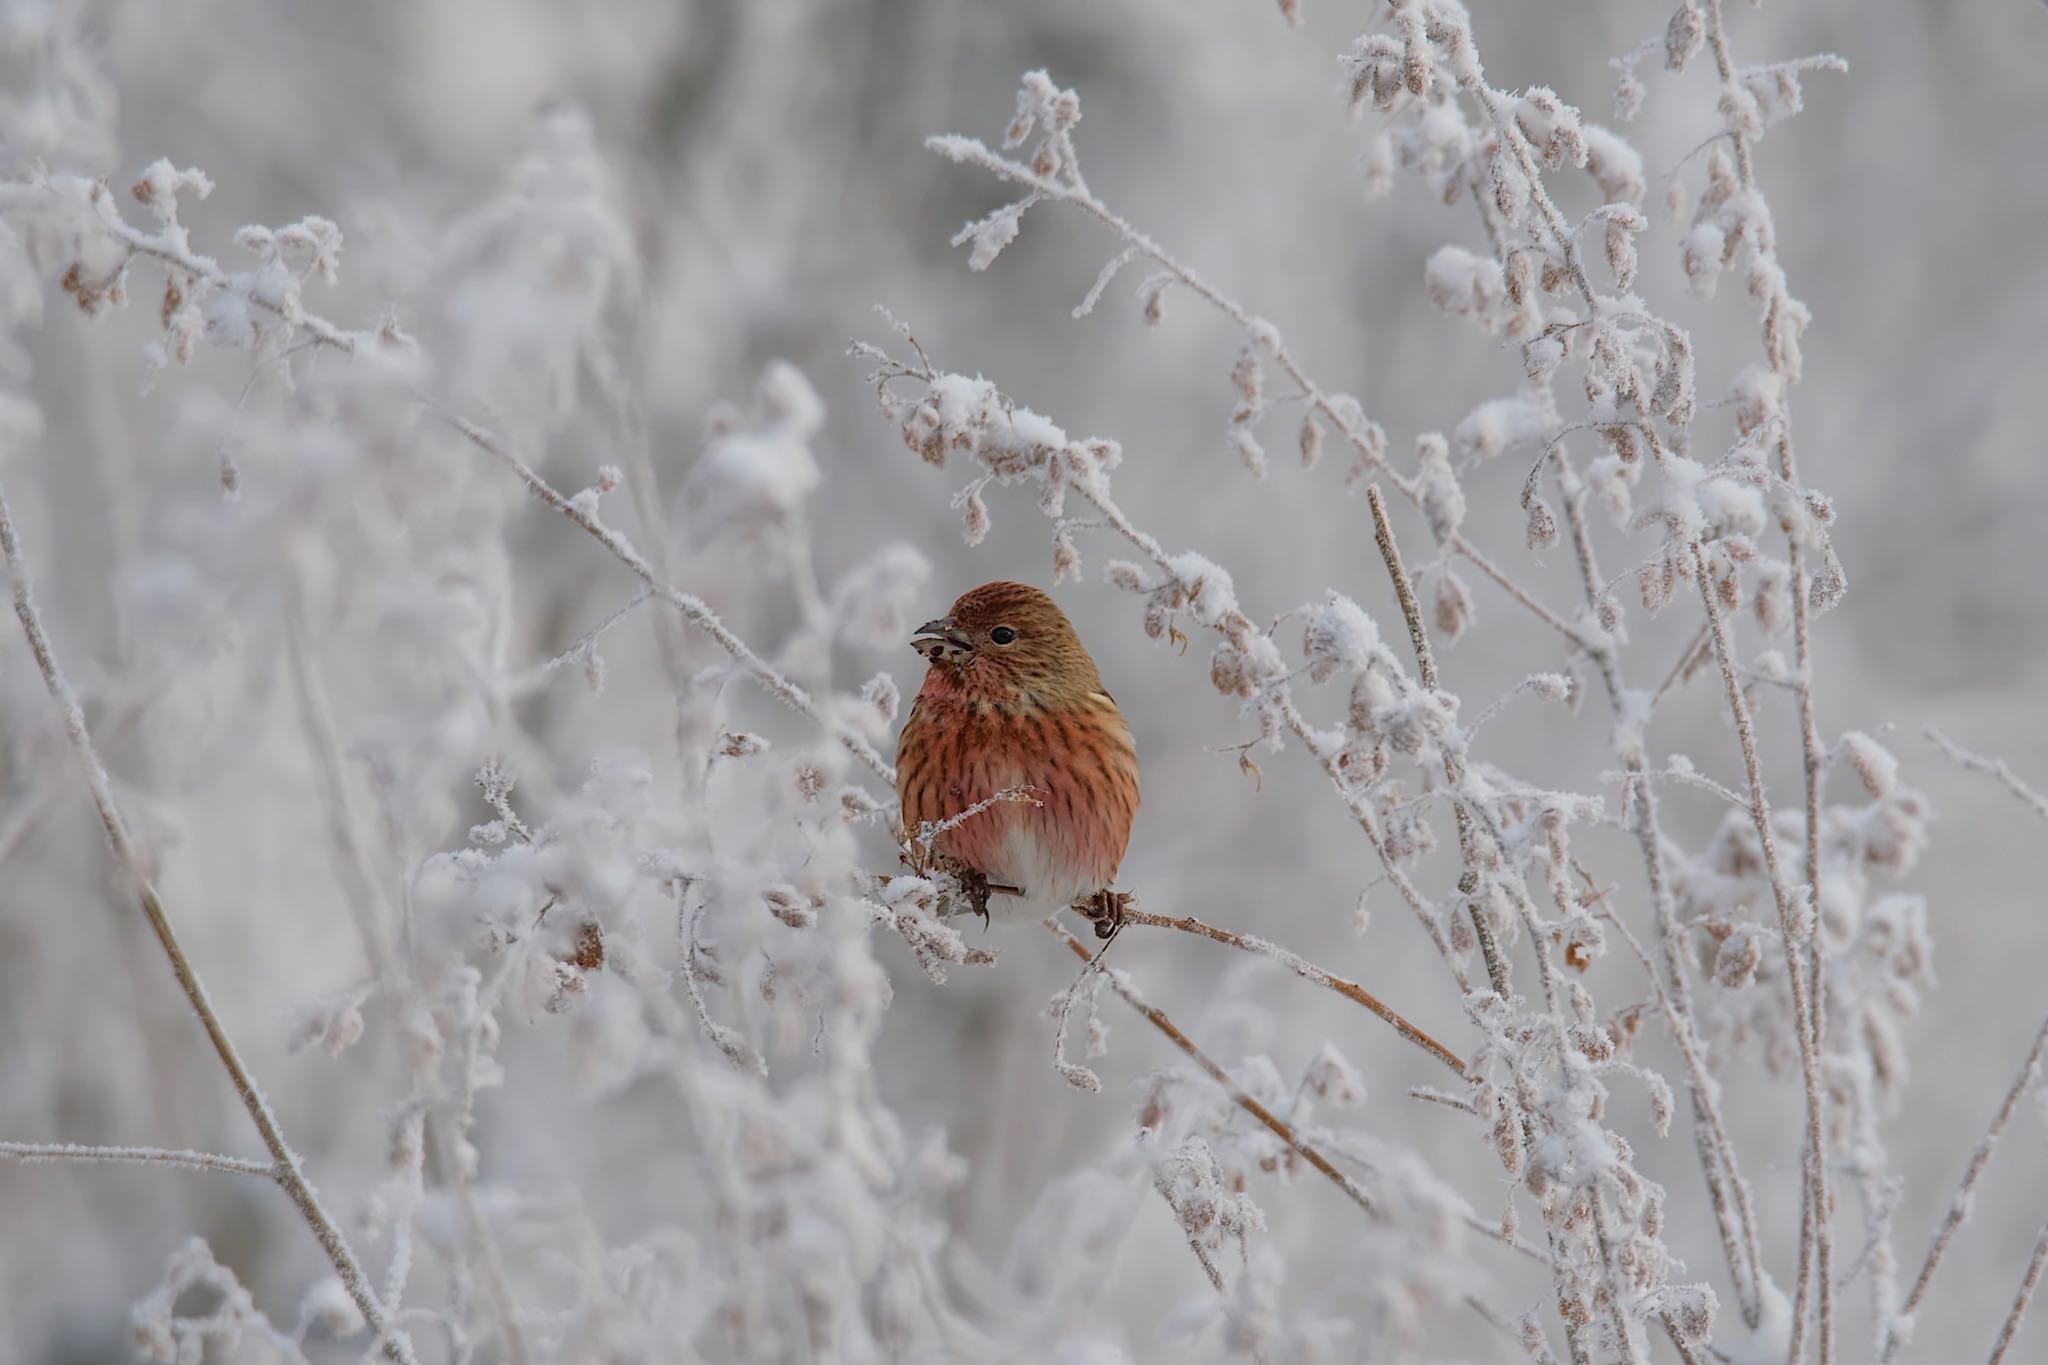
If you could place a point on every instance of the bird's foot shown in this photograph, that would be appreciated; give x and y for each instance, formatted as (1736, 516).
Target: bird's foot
(978, 889)
(1105, 910)
(974, 884)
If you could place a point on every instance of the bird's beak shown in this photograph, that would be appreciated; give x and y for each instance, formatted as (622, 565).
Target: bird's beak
(941, 639)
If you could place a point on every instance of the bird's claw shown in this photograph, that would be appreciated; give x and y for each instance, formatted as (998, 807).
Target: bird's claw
(1105, 910)
(977, 887)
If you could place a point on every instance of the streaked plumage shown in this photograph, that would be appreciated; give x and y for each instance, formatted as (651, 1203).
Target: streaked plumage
(1026, 711)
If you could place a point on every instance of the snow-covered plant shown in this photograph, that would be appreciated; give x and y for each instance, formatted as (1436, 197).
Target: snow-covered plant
(506, 795)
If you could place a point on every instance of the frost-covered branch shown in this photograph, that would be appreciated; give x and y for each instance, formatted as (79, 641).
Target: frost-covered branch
(692, 609)
(2030, 1280)
(288, 1174)
(1900, 1329)
(140, 1156)
(1306, 970)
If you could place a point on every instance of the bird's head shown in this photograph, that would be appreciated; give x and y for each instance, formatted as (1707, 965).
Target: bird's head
(1006, 641)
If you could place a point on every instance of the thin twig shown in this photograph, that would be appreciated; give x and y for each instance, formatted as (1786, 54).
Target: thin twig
(1960, 1204)
(1273, 1122)
(1995, 767)
(1796, 930)
(2028, 1283)
(1425, 663)
(1307, 971)
(1369, 448)
(692, 609)
(1815, 1227)
(1727, 1191)
(141, 1156)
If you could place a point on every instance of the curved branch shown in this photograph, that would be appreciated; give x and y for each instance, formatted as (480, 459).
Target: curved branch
(1307, 971)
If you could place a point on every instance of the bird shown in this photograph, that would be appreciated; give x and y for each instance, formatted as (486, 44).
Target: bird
(1011, 699)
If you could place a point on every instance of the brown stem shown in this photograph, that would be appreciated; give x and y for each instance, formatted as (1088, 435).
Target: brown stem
(2028, 1283)
(1425, 664)
(1307, 971)
(1959, 1206)
(1814, 1214)
(1734, 1217)
(1277, 1125)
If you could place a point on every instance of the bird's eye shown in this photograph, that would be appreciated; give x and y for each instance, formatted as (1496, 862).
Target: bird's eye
(1002, 635)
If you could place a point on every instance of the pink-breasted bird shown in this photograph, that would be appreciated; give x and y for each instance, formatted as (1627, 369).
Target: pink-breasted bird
(1011, 699)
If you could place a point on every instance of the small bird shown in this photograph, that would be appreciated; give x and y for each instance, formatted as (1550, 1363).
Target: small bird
(1011, 699)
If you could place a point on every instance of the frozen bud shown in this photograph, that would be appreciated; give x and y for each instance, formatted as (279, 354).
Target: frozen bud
(1552, 127)
(1249, 378)
(734, 744)
(1230, 672)
(974, 521)
(1738, 957)
(334, 1025)
(1874, 764)
(1629, 94)
(1121, 573)
(1465, 284)
(924, 432)
(1022, 121)
(1415, 61)
(1659, 582)
(1551, 686)
(1510, 188)
(1249, 450)
(991, 234)
(1740, 113)
(1542, 528)
(787, 904)
(1616, 167)
(855, 806)
(1339, 637)
(1683, 35)
(1517, 274)
(1702, 255)
(1463, 941)
(1066, 560)
(1541, 357)
(1773, 601)
(1828, 585)
(1443, 500)
(593, 671)
(1453, 605)
(880, 692)
(1690, 1310)
(1622, 226)
(1311, 442)
(1660, 1102)
(809, 781)
(1157, 619)
(1155, 303)
(1330, 1076)
(1106, 453)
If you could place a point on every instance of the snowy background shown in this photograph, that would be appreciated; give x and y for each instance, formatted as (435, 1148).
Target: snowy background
(714, 187)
